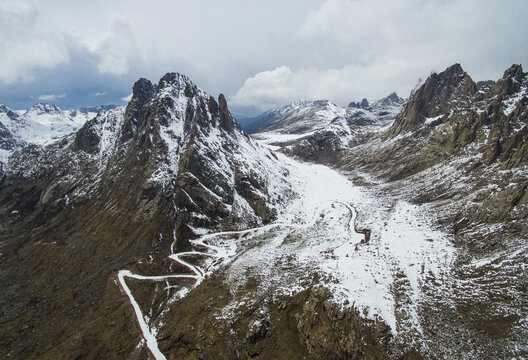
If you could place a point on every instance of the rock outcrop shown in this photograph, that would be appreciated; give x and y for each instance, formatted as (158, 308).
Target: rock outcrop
(437, 96)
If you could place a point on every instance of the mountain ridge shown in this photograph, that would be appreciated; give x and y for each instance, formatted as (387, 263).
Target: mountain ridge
(173, 233)
(132, 183)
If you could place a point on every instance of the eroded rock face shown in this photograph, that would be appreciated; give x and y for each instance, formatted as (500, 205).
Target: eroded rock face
(7, 141)
(435, 97)
(447, 116)
(330, 333)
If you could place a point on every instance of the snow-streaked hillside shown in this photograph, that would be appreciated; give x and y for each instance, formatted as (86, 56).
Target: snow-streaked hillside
(368, 269)
(40, 124)
(312, 127)
(319, 231)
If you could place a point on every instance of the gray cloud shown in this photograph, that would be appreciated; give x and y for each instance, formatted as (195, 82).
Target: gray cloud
(26, 43)
(389, 44)
(260, 54)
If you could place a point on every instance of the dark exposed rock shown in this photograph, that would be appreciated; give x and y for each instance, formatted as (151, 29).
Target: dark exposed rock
(86, 138)
(7, 141)
(142, 92)
(511, 81)
(364, 104)
(226, 120)
(435, 97)
(331, 333)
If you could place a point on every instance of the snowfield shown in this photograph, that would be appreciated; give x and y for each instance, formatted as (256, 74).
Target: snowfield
(319, 231)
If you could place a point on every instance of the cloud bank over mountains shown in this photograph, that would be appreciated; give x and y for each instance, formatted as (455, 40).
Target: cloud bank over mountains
(261, 55)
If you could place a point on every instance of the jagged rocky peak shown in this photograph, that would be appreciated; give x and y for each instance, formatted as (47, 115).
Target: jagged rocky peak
(226, 119)
(43, 108)
(511, 81)
(440, 93)
(364, 104)
(181, 137)
(179, 83)
(392, 99)
(142, 91)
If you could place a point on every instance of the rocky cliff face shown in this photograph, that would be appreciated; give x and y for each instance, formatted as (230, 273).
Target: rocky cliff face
(449, 117)
(441, 93)
(131, 186)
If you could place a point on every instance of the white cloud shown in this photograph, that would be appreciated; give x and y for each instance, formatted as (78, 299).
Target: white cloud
(268, 89)
(51, 97)
(127, 98)
(117, 48)
(385, 46)
(99, 93)
(354, 48)
(278, 87)
(30, 44)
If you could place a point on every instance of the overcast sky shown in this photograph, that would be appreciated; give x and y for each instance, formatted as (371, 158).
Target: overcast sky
(260, 54)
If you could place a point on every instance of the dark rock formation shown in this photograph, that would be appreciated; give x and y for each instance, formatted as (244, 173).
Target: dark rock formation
(437, 96)
(7, 141)
(142, 92)
(226, 120)
(87, 139)
(364, 104)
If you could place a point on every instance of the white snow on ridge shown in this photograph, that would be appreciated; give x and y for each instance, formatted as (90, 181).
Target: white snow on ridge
(303, 116)
(108, 128)
(43, 123)
(318, 231)
(271, 137)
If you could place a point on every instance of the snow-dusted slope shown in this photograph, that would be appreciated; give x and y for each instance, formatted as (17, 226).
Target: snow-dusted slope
(320, 231)
(313, 130)
(40, 124)
(300, 117)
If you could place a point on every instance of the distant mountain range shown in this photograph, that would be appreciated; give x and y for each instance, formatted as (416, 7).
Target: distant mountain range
(305, 116)
(40, 124)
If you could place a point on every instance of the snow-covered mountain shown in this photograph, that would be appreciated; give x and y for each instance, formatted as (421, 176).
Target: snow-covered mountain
(40, 124)
(131, 187)
(164, 231)
(319, 130)
(299, 117)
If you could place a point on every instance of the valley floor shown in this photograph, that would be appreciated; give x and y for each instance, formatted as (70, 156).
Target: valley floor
(378, 262)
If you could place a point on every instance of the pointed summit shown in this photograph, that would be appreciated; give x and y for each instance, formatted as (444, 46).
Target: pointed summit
(226, 119)
(515, 72)
(43, 108)
(510, 82)
(142, 92)
(435, 97)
